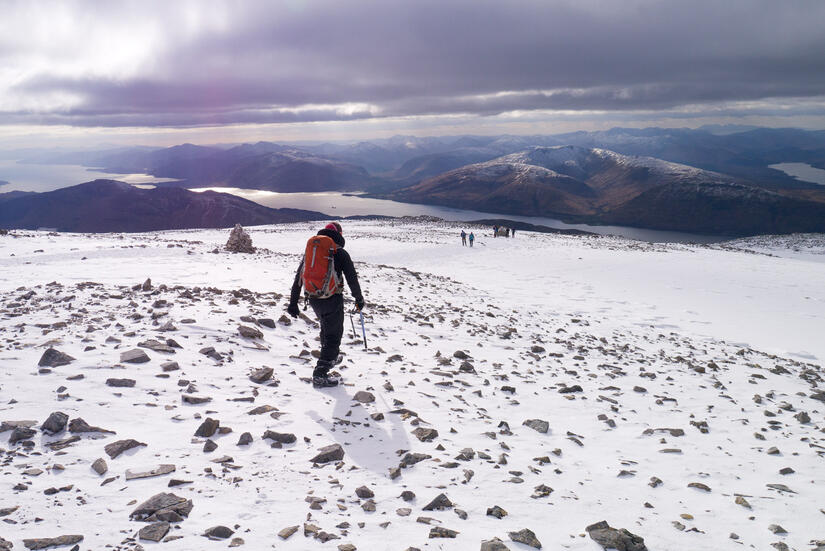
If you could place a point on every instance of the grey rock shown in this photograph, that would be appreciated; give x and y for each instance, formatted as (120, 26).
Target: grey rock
(79, 425)
(209, 446)
(333, 452)
(284, 438)
(56, 423)
(496, 511)
(45, 543)
(157, 346)
(411, 458)
(803, 417)
(169, 366)
(54, 358)
(261, 375)
(158, 471)
(161, 503)
(494, 544)
(245, 439)
(364, 493)
(195, 400)
(441, 532)
(441, 501)
(99, 466)
(364, 397)
(250, 332)
(134, 356)
(120, 383)
(208, 428)
(218, 533)
(19, 434)
(525, 536)
(154, 532)
(424, 434)
(288, 531)
(538, 425)
(611, 538)
(116, 448)
(267, 322)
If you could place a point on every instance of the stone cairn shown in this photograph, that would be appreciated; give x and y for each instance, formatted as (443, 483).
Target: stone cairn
(239, 241)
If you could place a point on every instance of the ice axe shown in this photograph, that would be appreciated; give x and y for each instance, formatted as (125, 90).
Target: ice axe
(363, 329)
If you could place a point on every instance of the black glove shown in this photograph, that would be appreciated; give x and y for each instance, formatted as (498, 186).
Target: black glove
(293, 311)
(359, 304)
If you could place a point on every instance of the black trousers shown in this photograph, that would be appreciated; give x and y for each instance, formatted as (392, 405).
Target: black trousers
(330, 312)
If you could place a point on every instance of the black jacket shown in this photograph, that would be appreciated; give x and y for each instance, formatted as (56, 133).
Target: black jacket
(343, 264)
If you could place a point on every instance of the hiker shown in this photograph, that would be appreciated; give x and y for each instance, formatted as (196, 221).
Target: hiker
(495, 230)
(463, 238)
(319, 273)
(472, 238)
(513, 232)
(506, 232)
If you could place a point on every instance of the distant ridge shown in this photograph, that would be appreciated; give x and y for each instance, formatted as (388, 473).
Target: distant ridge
(112, 206)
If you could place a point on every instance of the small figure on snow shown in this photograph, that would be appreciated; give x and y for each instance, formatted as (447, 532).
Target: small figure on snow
(472, 238)
(463, 238)
(320, 274)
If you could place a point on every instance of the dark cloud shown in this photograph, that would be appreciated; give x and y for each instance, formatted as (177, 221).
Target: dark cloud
(299, 62)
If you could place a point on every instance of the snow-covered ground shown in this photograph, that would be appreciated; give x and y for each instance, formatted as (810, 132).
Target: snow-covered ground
(660, 338)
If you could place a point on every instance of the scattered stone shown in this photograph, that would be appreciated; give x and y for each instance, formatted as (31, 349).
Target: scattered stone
(288, 531)
(56, 423)
(441, 532)
(116, 448)
(100, 467)
(158, 471)
(250, 332)
(169, 366)
(289, 438)
(494, 544)
(78, 425)
(496, 511)
(134, 356)
(699, 486)
(364, 397)
(261, 375)
(120, 383)
(611, 538)
(162, 505)
(364, 493)
(441, 501)
(154, 532)
(21, 434)
(424, 434)
(218, 533)
(245, 439)
(525, 536)
(45, 543)
(777, 529)
(54, 358)
(537, 425)
(195, 400)
(208, 428)
(209, 446)
(333, 452)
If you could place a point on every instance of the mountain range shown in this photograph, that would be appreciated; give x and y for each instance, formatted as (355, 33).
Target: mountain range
(716, 178)
(111, 206)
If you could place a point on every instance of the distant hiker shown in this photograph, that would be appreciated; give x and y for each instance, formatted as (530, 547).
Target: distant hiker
(495, 230)
(513, 232)
(463, 238)
(506, 232)
(319, 273)
(472, 238)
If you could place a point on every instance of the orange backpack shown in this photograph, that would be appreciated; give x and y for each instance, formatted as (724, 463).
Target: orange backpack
(319, 277)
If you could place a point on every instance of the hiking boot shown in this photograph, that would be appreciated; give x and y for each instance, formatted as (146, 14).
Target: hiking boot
(324, 381)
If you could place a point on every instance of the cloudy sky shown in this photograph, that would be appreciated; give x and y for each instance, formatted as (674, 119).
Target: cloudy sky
(212, 71)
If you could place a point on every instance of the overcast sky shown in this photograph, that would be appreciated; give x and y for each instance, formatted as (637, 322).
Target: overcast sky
(210, 71)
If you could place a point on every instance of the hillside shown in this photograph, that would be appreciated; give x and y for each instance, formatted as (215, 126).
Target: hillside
(671, 390)
(110, 206)
(604, 187)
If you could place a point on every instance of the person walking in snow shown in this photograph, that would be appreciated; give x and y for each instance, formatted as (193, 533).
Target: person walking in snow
(472, 238)
(495, 230)
(463, 238)
(513, 232)
(320, 274)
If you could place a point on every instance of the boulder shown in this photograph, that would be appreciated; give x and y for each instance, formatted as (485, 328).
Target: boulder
(54, 358)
